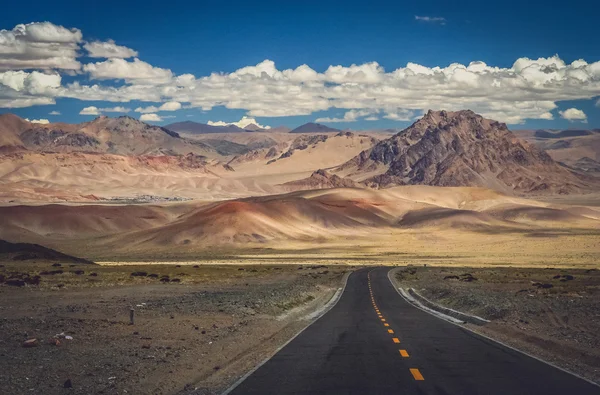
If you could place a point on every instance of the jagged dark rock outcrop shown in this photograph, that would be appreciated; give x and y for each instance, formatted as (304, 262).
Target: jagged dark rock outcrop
(461, 149)
(322, 179)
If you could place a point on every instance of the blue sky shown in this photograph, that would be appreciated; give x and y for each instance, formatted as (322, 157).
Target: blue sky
(222, 37)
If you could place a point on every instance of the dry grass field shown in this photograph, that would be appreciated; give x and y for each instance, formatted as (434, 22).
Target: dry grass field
(201, 329)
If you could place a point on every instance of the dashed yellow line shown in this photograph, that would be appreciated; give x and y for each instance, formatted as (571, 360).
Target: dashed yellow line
(416, 374)
(403, 353)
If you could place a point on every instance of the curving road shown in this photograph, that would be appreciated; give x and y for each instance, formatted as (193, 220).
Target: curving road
(374, 342)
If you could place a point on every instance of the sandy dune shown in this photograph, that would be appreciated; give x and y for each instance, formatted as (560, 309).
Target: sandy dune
(415, 220)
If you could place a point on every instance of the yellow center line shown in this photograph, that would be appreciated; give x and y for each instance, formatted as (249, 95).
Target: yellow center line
(416, 374)
(404, 353)
(386, 324)
(390, 331)
(396, 340)
(383, 320)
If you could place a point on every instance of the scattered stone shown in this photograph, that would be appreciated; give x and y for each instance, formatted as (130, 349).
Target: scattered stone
(139, 274)
(78, 272)
(175, 280)
(451, 278)
(94, 274)
(35, 280)
(541, 285)
(56, 265)
(54, 342)
(68, 384)
(15, 282)
(51, 272)
(153, 275)
(30, 343)
(467, 277)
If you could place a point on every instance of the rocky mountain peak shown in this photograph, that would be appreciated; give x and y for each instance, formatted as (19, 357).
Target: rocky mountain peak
(461, 148)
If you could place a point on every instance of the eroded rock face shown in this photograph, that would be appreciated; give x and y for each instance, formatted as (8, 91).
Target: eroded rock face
(463, 149)
(322, 179)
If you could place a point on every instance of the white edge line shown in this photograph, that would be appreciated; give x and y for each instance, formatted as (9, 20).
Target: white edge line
(332, 302)
(494, 340)
(421, 306)
(449, 309)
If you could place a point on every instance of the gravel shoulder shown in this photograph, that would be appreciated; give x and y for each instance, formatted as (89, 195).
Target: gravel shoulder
(553, 314)
(195, 335)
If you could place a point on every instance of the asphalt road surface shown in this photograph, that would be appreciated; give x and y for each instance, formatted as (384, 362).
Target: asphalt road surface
(374, 342)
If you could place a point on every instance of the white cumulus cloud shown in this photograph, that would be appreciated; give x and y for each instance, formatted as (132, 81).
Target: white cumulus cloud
(54, 112)
(39, 45)
(351, 116)
(242, 123)
(41, 121)
(108, 49)
(120, 69)
(573, 114)
(168, 106)
(150, 118)
(120, 109)
(92, 110)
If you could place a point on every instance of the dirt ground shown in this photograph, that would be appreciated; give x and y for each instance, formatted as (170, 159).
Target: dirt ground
(198, 332)
(551, 313)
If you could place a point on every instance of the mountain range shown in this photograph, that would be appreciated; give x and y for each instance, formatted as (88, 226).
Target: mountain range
(108, 158)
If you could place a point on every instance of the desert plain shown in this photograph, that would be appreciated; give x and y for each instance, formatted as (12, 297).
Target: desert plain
(226, 244)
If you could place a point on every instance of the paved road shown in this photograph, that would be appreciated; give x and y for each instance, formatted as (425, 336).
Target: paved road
(351, 350)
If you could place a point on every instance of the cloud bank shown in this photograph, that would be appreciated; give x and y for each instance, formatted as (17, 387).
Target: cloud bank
(35, 56)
